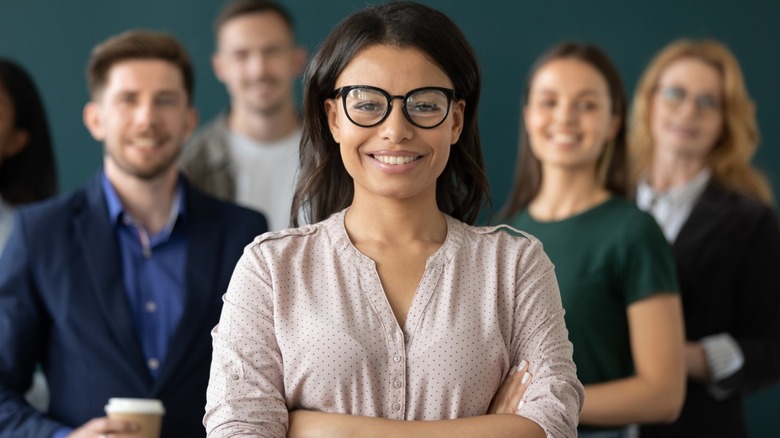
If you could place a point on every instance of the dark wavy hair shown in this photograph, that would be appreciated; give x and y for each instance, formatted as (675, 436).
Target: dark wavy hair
(612, 169)
(324, 186)
(30, 175)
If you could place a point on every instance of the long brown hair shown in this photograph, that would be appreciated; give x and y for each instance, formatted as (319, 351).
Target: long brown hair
(612, 168)
(324, 186)
(30, 175)
(730, 158)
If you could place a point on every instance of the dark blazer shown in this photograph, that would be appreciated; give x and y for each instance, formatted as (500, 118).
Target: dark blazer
(728, 261)
(63, 304)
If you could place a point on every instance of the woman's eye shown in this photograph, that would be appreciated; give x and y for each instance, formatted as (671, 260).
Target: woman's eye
(587, 106)
(546, 103)
(367, 107)
(673, 93)
(425, 107)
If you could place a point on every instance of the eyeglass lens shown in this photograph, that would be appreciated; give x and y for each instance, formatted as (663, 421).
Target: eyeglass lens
(425, 108)
(677, 95)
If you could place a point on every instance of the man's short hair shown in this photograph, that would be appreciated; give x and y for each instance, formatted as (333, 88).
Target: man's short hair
(238, 8)
(137, 44)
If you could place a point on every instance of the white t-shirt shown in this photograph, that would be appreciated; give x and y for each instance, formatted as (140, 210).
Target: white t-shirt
(265, 175)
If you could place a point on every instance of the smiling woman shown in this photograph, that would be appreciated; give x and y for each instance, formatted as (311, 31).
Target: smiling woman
(391, 313)
(615, 270)
(693, 135)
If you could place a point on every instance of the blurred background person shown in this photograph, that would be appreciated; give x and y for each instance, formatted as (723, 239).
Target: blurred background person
(249, 154)
(114, 287)
(693, 135)
(27, 169)
(614, 268)
(28, 172)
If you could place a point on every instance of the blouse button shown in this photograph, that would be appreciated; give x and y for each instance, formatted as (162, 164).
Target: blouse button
(397, 383)
(397, 406)
(397, 358)
(234, 376)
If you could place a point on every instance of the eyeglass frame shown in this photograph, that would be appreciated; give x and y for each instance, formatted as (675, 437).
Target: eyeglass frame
(697, 99)
(449, 93)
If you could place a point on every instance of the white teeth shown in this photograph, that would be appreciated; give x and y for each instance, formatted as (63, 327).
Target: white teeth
(391, 159)
(144, 142)
(564, 138)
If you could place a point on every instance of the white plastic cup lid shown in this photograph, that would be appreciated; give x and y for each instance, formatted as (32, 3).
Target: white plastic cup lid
(135, 406)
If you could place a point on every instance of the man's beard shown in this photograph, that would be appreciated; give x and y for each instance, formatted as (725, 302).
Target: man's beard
(146, 174)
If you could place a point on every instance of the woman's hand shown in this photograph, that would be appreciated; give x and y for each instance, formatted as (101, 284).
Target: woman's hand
(508, 399)
(305, 424)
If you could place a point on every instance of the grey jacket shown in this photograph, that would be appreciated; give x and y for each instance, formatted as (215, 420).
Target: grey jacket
(205, 160)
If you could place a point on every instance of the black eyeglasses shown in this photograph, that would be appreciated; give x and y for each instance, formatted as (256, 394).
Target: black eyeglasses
(675, 96)
(368, 106)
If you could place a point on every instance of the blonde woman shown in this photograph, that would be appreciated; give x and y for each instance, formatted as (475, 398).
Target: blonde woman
(693, 134)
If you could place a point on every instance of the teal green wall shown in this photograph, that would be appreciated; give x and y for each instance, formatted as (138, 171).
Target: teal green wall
(53, 39)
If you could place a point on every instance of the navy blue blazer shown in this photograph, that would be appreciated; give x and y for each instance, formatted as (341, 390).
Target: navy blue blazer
(728, 262)
(63, 304)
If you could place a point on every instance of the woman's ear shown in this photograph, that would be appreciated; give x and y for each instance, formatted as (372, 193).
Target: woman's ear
(458, 116)
(333, 119)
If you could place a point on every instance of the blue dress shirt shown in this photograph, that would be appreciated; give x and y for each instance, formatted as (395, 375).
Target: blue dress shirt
(153, 268)
(154, 273)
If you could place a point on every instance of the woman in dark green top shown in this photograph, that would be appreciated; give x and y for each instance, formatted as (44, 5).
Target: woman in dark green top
(614, 267)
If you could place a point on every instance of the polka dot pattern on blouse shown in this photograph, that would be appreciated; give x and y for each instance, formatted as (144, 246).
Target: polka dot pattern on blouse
(306, 324)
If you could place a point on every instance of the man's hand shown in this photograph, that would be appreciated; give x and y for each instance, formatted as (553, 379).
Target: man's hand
(105, 427)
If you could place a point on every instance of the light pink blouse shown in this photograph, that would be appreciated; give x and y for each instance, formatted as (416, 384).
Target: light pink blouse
(306, 324)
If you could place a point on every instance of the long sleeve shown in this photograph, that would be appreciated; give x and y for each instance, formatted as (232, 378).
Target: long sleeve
(757, 309)
(246, 390)
(22, 319)
(555, 396)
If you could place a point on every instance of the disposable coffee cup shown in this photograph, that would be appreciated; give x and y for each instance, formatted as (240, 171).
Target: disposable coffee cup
(146, 413)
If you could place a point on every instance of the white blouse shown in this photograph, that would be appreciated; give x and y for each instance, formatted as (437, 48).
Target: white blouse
(306, 324)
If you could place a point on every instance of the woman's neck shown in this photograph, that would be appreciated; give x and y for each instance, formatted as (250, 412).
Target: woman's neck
(394, 221)
(673, 170)
(564, 194)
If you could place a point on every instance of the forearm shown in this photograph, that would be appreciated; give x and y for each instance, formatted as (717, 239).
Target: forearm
(630, 400)
(696, 362)
(305, 424)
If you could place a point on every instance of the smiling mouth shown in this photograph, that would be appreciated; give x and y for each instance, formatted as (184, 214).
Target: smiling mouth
(395, 160)
(563, 138)
(146, 143)
(683, 130)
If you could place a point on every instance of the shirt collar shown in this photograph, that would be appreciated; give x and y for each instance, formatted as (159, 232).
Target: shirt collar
(116, 211)
(683, 194)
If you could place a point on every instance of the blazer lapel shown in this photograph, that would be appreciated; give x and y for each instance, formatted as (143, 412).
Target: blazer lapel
(705, 215)
(99, 247)
(202, 274)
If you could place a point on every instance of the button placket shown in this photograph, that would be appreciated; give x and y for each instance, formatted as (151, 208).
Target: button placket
(398, 364)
